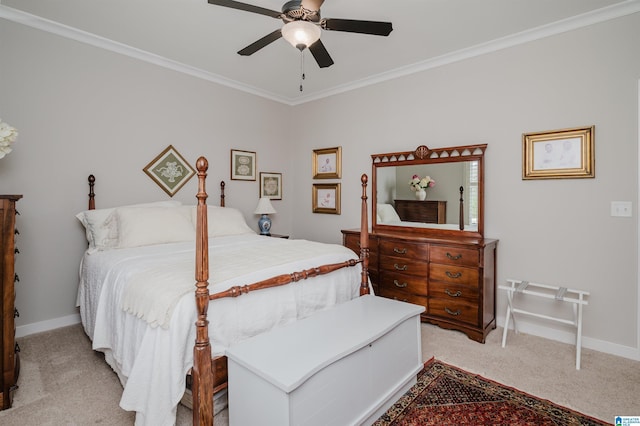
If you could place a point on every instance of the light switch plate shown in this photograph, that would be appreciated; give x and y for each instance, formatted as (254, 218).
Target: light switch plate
(621, 208)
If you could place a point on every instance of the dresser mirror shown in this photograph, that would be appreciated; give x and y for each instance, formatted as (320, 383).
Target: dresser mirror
(453, 204)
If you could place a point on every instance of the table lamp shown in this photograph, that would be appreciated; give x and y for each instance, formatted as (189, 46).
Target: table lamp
(264, 208)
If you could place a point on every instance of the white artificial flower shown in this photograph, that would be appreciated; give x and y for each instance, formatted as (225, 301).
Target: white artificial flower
(8, 135)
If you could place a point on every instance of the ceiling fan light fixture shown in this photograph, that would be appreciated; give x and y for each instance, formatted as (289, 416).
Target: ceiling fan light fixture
(301, 34)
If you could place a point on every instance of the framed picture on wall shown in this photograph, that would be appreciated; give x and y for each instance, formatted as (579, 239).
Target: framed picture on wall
(327, 163)
(271, 185)
(326, 198)
(243, 165)
(559, 154)
(169, 170)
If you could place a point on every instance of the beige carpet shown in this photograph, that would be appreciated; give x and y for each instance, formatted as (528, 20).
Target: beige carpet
(63, 382)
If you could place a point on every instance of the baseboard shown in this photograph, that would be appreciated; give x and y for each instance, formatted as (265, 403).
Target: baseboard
(570, 338)
(52, 324)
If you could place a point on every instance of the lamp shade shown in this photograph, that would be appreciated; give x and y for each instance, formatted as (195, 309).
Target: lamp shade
(301, 34)
(264, 207)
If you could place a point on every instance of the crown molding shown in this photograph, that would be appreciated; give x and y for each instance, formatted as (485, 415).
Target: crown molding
(81, 36)
(618, 10)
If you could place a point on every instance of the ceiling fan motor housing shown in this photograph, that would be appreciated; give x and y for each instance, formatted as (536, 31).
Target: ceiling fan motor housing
(293, 11)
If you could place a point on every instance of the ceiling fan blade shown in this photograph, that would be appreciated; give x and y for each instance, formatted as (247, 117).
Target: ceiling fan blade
(246, 7)
(257, 45)
(311, 4)
(320, 54)
(355, 26)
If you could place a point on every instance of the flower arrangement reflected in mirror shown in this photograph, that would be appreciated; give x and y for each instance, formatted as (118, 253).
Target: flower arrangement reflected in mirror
(8, 135)
(419, 185)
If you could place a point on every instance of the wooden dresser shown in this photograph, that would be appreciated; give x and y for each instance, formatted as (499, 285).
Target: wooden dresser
(453, 278)
(421, 211)
(8, 347)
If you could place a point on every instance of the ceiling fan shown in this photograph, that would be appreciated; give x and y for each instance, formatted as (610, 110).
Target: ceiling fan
(302, 25)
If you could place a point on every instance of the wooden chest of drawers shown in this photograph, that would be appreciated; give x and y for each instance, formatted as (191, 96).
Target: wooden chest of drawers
(454, 279)
(422, 211)
(9, 360)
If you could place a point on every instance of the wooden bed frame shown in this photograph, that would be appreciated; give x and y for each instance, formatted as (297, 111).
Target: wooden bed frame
(209, 375)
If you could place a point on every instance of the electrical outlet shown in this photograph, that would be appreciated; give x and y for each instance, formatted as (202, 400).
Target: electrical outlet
(621, 208)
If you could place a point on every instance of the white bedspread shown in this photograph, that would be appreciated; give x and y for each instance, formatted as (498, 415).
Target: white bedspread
(151, 360)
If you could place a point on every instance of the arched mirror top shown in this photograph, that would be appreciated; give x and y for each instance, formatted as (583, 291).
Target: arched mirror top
(453, 182)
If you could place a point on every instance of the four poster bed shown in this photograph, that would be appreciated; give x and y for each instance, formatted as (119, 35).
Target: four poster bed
(136, 301)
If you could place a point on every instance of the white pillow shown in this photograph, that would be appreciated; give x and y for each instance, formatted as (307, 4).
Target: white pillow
(143, 226)
(99, 235)
(387, 213)
(222, 221)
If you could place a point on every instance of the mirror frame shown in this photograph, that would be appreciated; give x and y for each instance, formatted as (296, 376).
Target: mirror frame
(424, 155)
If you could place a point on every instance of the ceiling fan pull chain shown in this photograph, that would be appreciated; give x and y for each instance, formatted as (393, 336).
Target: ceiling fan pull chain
(301, 69)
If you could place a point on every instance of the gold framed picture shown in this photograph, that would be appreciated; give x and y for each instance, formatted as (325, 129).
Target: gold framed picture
(169, 170)
(559, 154)
(243, 165)
(271, 185)
(326, 198)
(327, 163)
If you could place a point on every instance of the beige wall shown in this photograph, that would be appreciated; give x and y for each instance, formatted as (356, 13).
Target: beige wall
(83, 110)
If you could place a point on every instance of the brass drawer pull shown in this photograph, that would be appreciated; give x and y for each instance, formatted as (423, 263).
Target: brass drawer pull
(400, 251)
(403, 285)
(400, 268)
(453, 274)
(452, 257)
(452, 294)
(450, 312)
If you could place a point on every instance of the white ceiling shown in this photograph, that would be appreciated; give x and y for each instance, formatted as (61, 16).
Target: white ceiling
(201, 39)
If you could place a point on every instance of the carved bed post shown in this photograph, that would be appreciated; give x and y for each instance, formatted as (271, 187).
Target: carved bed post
(461, 218)
(222, 193)
(92, 195)
(364, 239)
(202, 388)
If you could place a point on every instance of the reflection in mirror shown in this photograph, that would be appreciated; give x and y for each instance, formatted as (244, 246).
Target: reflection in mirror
(453, 201)
(398, 203)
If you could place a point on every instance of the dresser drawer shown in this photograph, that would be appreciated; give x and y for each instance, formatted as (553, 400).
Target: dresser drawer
(407, 283)
(454, 291)
(404, 249)
(455, 310)
(454, 274)
(404, 266)
(403, 296)
(454, 255)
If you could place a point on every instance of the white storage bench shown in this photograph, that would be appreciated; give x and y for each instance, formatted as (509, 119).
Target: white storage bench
(342, 366)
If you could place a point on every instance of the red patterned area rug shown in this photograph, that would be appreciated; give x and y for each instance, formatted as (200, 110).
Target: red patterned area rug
(447, 395)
